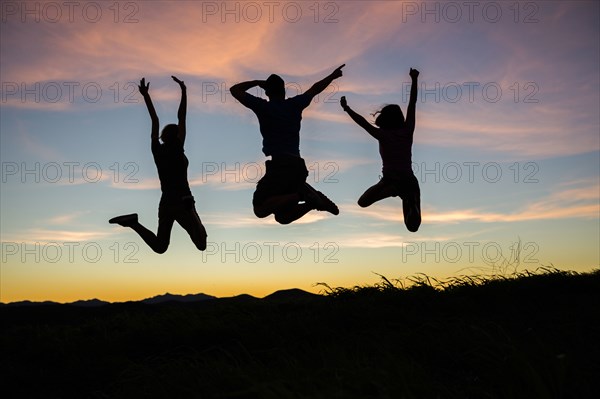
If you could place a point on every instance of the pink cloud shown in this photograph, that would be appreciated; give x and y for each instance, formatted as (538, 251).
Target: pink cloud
(180, 38)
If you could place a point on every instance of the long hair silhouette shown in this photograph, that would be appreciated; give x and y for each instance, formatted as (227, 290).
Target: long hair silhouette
(395, 136)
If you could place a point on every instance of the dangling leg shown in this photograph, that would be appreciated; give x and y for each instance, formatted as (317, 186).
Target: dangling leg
(412, 214)
(188, 219)
(375, 193)
(159, 242)
(411, 207)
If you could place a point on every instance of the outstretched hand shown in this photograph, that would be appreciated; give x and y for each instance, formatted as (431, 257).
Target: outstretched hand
(343, 102)
(181, 84)
(144, 87)
(413, 73)
(338, 72)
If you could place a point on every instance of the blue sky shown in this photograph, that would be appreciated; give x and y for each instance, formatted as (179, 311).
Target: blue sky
(506, 141)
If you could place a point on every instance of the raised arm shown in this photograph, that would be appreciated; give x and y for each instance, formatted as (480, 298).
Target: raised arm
(322, 84)
(360, 121)
(412, 102)
(238, 91)
(181, 113)
(144, 92)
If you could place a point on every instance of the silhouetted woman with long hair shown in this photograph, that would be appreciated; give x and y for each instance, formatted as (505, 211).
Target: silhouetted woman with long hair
(395, 136)
(176, 202)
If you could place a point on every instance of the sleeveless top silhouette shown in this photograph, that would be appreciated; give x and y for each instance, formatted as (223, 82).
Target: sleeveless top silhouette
(395, 150)
(172, 165)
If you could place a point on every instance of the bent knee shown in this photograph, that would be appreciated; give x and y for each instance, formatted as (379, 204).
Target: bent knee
(201, 245)
(162, 249)
(282, 220)
(414, 226)
(363, 203)
(260, 212)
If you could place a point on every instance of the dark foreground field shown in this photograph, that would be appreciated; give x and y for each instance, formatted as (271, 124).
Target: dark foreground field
(529, 337)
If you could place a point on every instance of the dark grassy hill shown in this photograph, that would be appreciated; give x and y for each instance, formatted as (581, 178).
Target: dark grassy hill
(529, 337)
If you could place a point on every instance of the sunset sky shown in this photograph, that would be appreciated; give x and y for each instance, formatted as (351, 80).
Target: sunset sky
(506, 145)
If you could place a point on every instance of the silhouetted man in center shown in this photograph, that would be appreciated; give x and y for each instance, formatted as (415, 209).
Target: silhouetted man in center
(283, 190)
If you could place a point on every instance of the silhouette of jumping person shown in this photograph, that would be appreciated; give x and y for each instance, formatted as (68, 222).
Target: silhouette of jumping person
(283, 190)
(395, 136)
(176, 202)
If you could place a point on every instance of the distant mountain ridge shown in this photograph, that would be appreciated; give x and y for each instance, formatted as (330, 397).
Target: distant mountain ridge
(293, 294)
(177, 298)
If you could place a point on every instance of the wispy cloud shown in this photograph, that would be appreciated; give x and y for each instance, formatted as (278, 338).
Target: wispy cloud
(44, 236)
(67, 218)
(203, 49)
(242, 220)
(381, 240)
(140, 184)
(35, 147)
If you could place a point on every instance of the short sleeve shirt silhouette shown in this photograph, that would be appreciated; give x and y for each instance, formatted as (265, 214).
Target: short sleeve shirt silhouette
(279, 122)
